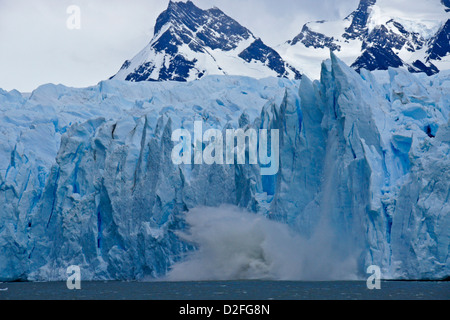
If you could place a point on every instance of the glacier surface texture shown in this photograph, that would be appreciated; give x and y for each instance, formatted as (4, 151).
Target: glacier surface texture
(86, 179)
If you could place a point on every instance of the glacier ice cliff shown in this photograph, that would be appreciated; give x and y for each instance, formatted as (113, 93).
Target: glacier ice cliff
(86, 177)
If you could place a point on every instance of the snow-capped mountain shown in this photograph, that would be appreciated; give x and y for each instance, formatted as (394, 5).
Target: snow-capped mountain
(190, 43)
(377, 35)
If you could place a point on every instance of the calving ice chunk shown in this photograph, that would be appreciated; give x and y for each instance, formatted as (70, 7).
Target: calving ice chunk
(214, 151)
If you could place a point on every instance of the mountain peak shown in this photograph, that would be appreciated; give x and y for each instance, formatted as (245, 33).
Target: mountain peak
(359, 18)
(190, 42)
(178, 12)
(197, 27)
(377, 35)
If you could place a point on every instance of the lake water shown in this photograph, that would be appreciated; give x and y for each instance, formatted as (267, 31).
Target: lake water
(231, 290)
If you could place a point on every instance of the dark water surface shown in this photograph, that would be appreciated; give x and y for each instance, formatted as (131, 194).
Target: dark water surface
(232, 290)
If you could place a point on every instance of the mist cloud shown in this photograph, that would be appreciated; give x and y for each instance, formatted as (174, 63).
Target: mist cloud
(237, 245)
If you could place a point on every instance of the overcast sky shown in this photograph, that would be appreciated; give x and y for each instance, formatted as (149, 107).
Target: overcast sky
(36, 47)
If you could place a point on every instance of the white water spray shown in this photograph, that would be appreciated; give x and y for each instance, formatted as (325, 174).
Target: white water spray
(234, 245)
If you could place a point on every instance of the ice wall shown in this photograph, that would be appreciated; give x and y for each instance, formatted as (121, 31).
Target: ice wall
(86, 176)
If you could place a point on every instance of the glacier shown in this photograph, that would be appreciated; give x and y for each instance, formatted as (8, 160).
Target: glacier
(86, 179)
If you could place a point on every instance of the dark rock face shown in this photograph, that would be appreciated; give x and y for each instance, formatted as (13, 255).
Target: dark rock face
(358, 28)
(440, 44)
(314, 39)
(385, 38)
(447, 4)
(377, 58)
(210, 28)
(260, 52)
(419, 66)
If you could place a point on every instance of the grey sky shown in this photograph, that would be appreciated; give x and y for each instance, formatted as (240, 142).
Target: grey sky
(36, 47)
